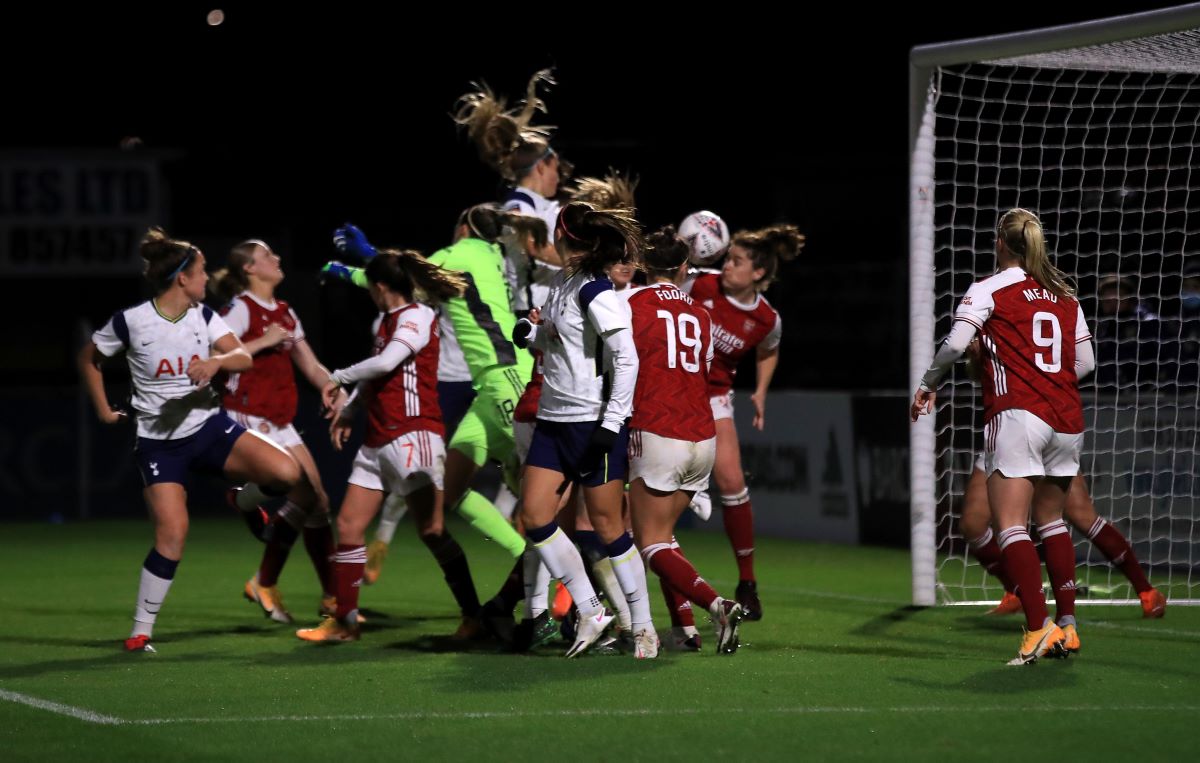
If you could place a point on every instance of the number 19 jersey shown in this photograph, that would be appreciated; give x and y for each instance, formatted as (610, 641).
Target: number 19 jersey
(673, 336)
(1028, 336)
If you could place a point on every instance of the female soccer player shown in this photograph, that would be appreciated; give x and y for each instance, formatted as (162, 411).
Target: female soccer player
(743, 320)
(672, 439)
(174, 347)
(590, 368)
(263, 399)
(403, 451)
(1031, 323)
(975, 525)
(520, 153)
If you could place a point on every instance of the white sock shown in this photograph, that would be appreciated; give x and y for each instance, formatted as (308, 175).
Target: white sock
(537, 584)
(603, 570)
(631, 572)
(684, 632)
(152, 591)
(506, 502)
(562, 559)
(394, 509)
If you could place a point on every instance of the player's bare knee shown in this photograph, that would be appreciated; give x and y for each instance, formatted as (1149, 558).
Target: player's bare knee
(607, 527)
(973, 524)
(351, 529)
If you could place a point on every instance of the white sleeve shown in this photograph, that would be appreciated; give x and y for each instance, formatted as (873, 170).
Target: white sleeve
(772, 339)
(611, 317)
(409, 338)
(1085, 354)
(1082, 333)
(298, 332)
(108, 339)
(976, 306)
(237, 318)
(1085, 359)
(217, 328)
(609, 313)
(623, 358)
(961, 334)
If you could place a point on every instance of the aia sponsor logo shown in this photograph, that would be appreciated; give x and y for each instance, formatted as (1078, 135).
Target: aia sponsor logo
(179, 369)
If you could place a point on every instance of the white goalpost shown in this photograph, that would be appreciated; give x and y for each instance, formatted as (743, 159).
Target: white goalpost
(1096, 127)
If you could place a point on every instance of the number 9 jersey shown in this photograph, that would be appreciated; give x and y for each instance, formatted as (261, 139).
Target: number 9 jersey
(1028, 336)
(674, 341)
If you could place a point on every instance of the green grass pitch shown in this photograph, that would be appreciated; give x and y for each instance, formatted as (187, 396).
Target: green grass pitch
(839, 668)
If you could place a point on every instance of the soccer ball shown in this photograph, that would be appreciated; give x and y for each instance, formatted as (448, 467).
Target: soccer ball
(706, 235)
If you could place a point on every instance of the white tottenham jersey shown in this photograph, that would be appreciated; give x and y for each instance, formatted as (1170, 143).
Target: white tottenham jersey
(452, 364)
(582, 315)
(168, 406)
(530, 279)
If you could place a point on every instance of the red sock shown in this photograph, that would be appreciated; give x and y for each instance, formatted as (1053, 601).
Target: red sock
(280, 537)
(672, 566)
(739, 526)
(986, 551)
(1114, 546)
(348, 566)
(1020, 561)
(1059, 551)
(318, 541)
(678, 607)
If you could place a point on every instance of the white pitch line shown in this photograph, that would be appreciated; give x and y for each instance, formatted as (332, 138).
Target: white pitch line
(619, 713)
(54, 707)
(600, 712)
(1138, 628)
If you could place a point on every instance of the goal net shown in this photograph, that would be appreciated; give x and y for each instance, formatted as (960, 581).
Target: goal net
(1096, 128)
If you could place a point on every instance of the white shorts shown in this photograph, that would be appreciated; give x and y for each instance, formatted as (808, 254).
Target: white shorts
(1019, 444)
(668, 465)
(404, 465)
(522, 437)
(285, 436)
(722, 406)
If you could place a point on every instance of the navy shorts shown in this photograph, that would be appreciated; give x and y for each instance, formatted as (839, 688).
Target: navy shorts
(205, 450)
(562, 446)
(454, 398)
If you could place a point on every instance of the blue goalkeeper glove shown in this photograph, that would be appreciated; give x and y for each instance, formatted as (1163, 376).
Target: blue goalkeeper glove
(350, 240)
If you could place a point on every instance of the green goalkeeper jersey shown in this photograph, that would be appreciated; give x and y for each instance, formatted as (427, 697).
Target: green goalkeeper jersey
(483, 318)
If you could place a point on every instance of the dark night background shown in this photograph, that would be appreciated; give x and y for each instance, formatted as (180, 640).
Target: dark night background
(283, 123)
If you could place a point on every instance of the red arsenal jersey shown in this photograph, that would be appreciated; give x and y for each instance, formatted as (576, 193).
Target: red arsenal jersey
(737, 329)
(1028, 336)
(405, 399)
(674, 341)
(268, 389)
